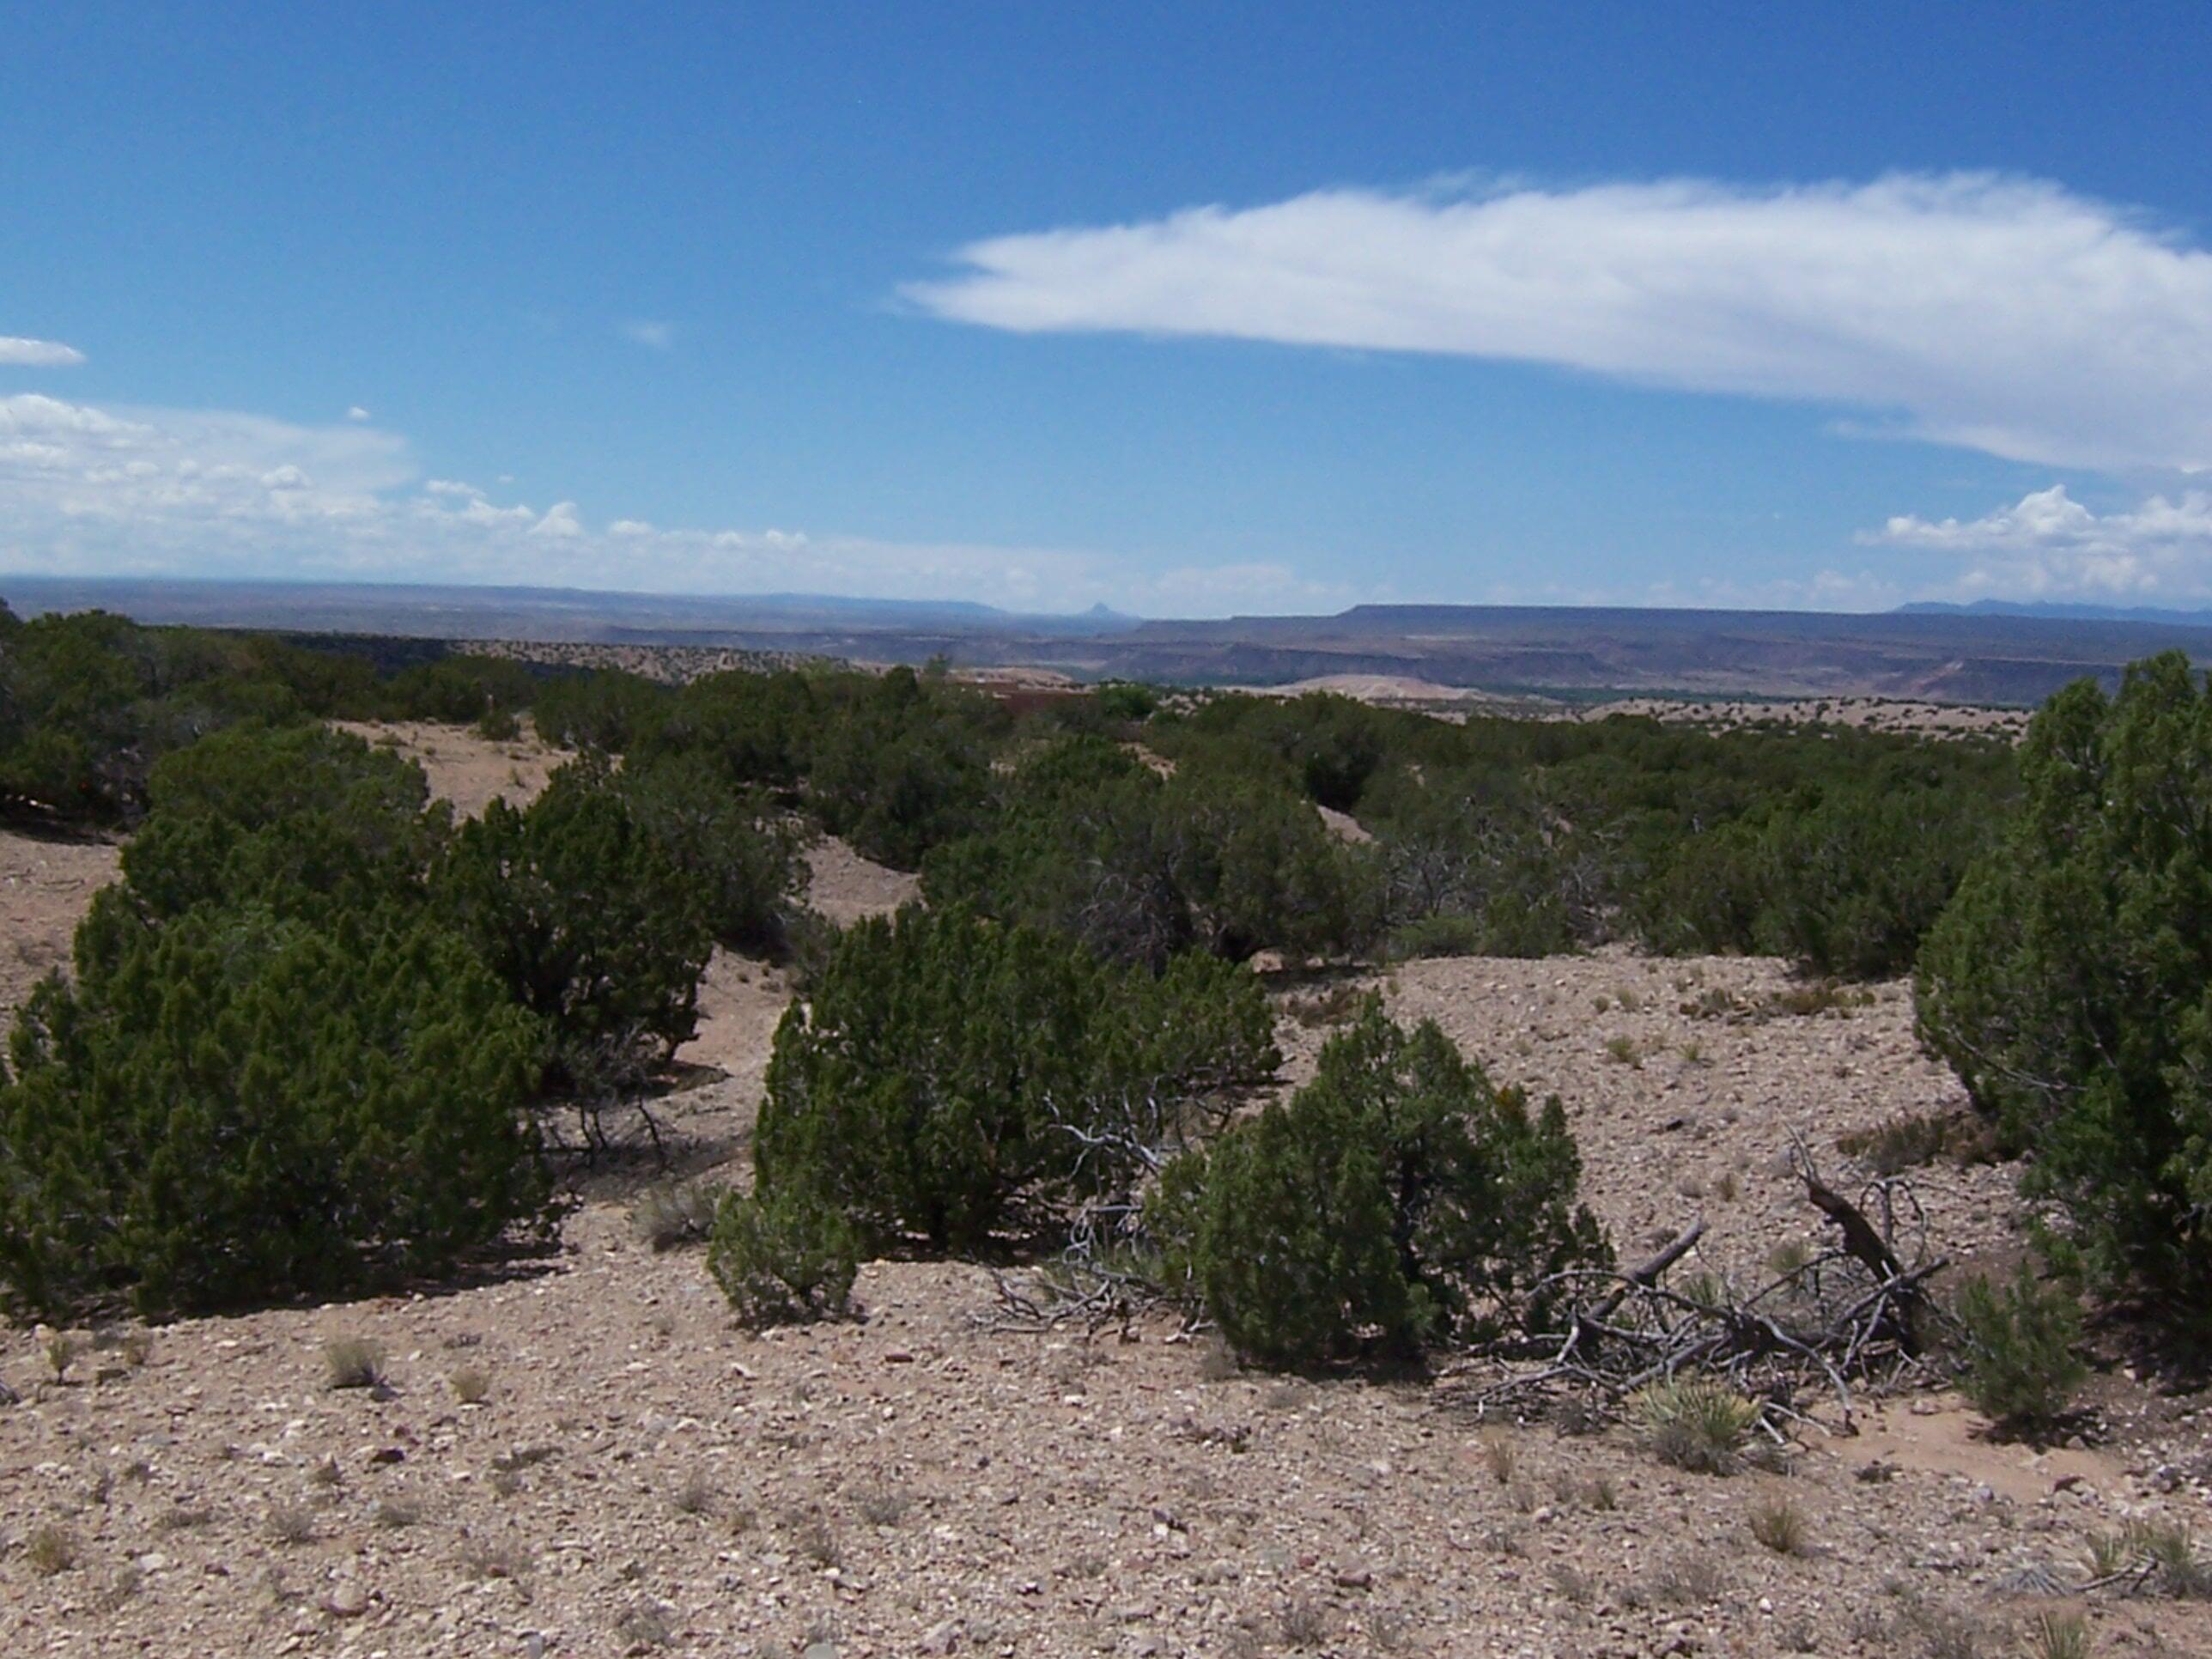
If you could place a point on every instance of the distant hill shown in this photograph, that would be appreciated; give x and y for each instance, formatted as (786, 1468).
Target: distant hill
(540, 613)
(2055, 611)
(2015, 655)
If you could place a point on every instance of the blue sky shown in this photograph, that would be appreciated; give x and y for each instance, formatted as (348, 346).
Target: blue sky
(1189, 309)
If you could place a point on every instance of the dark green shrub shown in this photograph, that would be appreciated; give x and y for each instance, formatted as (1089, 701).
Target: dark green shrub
(576, 906)
(738, 858)
(1397, 1201)
(902, 767)
(783, 1258)
(1859, 878)
(606, 709)
(2070, 982)
(1472, 865)
(461, 691)
(311, 821)
(2021, 1370)
(230, 1108)
(1126, 702)
(951, 1077)
(758, 729)
(1141, 869)
(82, 688)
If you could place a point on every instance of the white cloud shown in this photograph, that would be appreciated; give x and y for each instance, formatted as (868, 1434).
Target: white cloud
(18, 353)
(2048, 545)
(560, 520)
(659, 336)
(2005, 315)
(90, 491)
(355, 412)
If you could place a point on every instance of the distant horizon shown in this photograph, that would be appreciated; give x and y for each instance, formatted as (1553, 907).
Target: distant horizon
(797, 599)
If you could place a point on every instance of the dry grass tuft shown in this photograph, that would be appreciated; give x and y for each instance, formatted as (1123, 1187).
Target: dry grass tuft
(1694, 1422)
(1687, 1580)
(1500, 1457)
(681, 1213)
(2058, 1635)
(353, 1362)
(885, 1506)
(483, 1558)
(647, 1624)
(1304, 1623)
(291, 1524)
(50, 1549)
(1918, 1138)
(1779, 1525)
(696, 1496)
(1330, 1007)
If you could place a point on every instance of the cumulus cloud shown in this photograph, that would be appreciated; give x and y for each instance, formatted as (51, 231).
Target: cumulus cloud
(355, 412)
(2049, 545)
(645, 332)
(87, 491)
(19, 353)
(2002, 314)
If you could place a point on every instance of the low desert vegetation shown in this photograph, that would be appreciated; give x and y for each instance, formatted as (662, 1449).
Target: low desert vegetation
(1695, 1423)
(1397, 1202)
(2021, 1364)
(953, 1076)
(322, 1039)
(353, 1362)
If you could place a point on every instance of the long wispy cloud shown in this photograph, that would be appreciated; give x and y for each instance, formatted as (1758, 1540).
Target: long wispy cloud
(88, 491)
(2002, 314)
(2049, 544)
(16, 352)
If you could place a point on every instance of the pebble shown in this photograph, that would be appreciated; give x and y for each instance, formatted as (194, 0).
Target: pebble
(347, 1601)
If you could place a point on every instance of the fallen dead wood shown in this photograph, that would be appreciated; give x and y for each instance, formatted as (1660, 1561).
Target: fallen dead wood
(1847, 1318)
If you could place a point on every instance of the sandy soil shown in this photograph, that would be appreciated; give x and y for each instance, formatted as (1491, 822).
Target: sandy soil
(464, 766)
(639, 1476)
(45, 886)
(845, 887)
(1384, 688)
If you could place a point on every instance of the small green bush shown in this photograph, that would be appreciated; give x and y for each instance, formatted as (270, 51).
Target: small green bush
(735, 854)
(1396, 1201)
(951, 1077)
(2021, 1370)
(784, 1258)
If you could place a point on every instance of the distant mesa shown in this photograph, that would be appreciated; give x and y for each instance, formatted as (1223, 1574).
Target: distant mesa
(1986, 654)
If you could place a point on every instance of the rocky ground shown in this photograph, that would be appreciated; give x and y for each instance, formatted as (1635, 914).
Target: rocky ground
(1950, 719)
(582, 1455)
